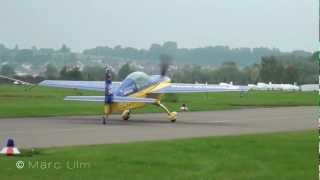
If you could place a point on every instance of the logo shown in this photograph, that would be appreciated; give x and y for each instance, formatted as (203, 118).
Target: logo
(20, 164)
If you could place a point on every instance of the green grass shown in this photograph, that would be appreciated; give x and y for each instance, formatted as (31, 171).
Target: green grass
(279, 156)
(43, 101)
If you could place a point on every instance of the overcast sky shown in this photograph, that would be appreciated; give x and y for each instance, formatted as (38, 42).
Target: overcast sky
(81, 24)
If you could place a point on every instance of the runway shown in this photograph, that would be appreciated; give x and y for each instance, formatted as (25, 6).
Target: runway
(68, 131)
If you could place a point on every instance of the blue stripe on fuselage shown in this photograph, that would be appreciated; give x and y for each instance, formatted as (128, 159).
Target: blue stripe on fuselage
(128, 86)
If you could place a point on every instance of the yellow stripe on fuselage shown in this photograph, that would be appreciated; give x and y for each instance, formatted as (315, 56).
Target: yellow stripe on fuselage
(145, 92)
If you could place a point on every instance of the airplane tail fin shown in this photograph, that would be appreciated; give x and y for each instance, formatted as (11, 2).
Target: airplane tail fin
(108, 97)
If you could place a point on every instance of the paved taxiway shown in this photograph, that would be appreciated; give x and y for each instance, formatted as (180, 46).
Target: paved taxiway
(61, 131)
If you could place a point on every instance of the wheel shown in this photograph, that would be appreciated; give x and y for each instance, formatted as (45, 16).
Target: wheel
(173, 116)
(126, 118)
(126, 115)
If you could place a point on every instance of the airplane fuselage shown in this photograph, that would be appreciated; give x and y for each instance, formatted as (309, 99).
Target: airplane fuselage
(139, 85)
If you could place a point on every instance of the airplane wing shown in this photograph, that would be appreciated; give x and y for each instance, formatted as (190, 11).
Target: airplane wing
(85, 85)
(191, 88)
(15, 80)
(115, 99)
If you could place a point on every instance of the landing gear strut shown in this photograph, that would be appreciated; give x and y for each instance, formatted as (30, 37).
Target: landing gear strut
(172, 115)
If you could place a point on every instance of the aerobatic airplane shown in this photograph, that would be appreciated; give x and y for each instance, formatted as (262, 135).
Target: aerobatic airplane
(135, 91)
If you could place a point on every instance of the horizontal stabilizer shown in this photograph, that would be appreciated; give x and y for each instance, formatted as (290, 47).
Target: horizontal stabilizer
(114, 99)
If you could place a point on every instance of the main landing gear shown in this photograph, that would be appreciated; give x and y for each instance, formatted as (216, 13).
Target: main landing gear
(126, 115)
(171, 115)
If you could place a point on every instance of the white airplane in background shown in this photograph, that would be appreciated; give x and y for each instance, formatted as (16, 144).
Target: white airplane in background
(271, 86)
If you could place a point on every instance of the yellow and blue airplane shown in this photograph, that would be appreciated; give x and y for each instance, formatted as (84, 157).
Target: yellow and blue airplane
(135, 91)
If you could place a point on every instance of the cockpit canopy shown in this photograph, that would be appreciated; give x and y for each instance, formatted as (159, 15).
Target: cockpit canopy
(141, 79)
(133, 83)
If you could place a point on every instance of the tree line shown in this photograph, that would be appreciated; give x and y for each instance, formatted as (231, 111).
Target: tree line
(214, 55)
(210, 55)
(276, 69)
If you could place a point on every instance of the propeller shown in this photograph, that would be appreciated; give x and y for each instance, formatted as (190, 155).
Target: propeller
(165, 61)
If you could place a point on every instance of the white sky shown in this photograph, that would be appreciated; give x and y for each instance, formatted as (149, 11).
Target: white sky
(285, 24)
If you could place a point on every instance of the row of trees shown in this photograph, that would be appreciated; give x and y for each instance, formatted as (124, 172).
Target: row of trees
(89, 73)
(204, 55)
(37, 58)
(275, 69)
(213, 55)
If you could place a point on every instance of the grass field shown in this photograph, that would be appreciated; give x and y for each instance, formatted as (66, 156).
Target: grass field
(43, 101)
(280, 156)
